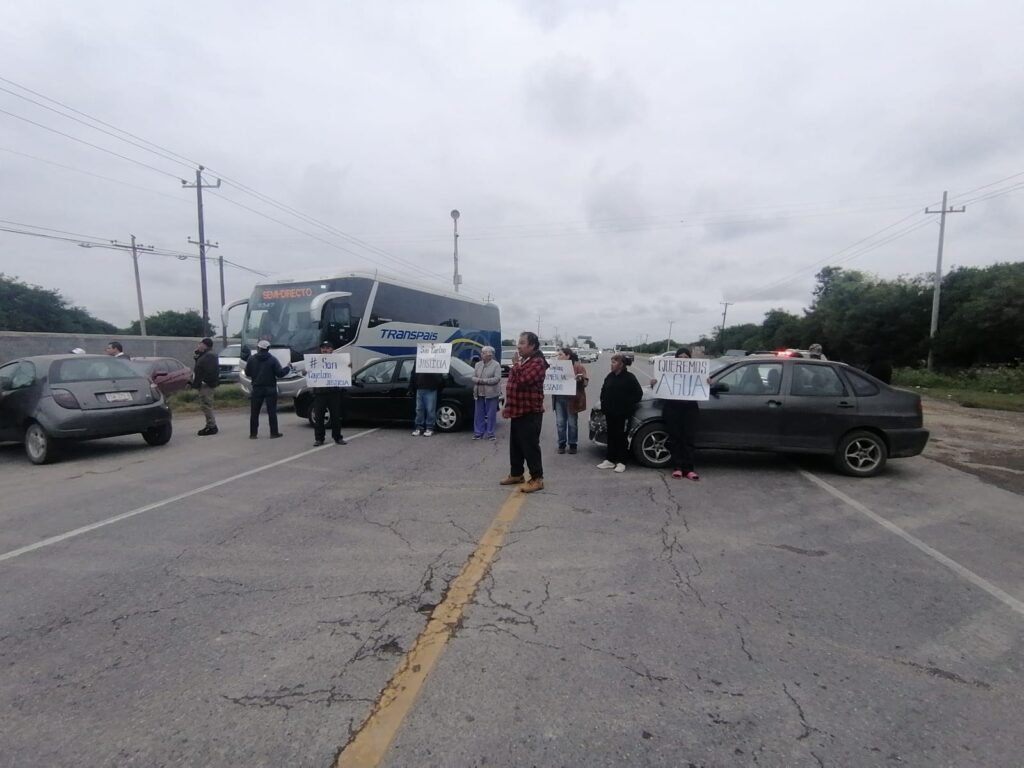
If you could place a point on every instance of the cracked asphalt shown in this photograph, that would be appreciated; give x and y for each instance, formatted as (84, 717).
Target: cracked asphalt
(750, 619)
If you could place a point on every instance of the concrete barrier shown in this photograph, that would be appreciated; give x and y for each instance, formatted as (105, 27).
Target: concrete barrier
(14, 344)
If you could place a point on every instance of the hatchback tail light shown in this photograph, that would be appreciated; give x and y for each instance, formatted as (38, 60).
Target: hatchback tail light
(64, 398)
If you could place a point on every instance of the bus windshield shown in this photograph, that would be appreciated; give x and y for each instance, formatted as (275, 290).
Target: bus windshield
(281, 314)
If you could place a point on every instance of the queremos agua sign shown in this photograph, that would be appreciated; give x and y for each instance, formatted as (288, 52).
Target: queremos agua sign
(681, 378)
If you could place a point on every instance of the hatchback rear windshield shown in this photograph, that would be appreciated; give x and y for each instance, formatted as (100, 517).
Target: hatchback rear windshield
(90, 369)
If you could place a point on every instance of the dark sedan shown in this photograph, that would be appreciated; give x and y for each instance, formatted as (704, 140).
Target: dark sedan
(790, 405)
(380, 393)
(168, 374)
(48, 399)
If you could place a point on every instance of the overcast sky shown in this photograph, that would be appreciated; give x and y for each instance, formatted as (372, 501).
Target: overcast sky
(617, 165)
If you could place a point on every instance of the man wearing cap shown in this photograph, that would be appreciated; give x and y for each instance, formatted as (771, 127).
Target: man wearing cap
(263, 371)
(205, 378)
(327, 399)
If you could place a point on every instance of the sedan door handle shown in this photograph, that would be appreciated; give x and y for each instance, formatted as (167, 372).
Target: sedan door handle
(844, 404)
(774, 403)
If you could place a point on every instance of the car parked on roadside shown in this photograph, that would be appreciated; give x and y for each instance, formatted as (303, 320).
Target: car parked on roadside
(168, 374)
(588, 355)
(380, 393)
(230, 361)
(790, 405)
(46, 400)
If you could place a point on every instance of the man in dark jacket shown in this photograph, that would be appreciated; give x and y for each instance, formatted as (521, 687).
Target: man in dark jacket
(619, 395)
(425, 387)
(205, 378)
(327, 399)
(263, 370)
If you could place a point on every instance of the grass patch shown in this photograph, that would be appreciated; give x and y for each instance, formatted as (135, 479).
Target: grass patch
(997, 387)
(225, 396)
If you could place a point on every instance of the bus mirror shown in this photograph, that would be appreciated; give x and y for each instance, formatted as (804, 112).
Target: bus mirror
(316, 306)
(228, 307)
(245, 354)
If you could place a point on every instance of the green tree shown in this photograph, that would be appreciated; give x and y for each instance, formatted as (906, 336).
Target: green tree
(981, 318)
(171, 323)
(26, 307)
(508, 342)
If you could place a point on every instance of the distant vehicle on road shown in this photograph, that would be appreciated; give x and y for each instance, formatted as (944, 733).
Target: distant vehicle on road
(169, 375)
(48, 399)
(380, 393)
(230, 362)
(507, 353)
(790, 405)
(588, 355)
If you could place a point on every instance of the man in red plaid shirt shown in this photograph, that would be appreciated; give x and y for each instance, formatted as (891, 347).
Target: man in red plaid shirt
(524, 407)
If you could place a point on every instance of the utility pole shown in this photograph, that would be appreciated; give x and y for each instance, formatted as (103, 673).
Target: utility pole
(668, 341)
(938, 272)
(138, 287)
(538, 326)
(456, 279)
(725, 310)
(198, 186)
(202, 256)
(223, 301)
(134, 248)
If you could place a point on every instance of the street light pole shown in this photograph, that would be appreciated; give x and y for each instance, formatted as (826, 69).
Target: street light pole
(668, 341)
(456, 279)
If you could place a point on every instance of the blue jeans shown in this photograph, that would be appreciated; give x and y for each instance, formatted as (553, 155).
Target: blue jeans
(426, 408)
(566, 422)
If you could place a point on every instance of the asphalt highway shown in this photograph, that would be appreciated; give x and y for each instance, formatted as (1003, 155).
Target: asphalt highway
(226, 602)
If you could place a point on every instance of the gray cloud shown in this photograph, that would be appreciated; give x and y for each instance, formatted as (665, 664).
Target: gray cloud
(572, 101)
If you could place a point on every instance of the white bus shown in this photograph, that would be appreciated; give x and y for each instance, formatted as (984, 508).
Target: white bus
(365, 314)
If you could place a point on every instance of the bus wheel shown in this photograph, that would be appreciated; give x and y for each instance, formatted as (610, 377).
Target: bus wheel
(449, 417)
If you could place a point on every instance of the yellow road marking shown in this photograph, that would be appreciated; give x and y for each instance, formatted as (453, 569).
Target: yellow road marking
(375, 735)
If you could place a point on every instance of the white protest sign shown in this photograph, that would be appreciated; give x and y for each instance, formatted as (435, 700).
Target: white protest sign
(329, 370)
(560, 378)
(681, 378)
(283, 355)
(433, 358)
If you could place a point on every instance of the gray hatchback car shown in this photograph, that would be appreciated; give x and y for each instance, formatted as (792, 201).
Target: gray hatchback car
(790, 405)
(47, 399)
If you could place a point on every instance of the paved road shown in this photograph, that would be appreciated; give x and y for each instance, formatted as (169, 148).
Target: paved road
(262, 595)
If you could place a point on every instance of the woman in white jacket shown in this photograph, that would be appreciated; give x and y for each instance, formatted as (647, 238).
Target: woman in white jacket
(486, 388)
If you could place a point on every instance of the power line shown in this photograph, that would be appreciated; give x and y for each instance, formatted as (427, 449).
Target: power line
(90, 173)
(95, 128)
(89, 144)
(186, 160)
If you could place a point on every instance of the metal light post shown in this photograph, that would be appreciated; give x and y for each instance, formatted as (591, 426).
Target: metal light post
(668, 341)
(456, 279)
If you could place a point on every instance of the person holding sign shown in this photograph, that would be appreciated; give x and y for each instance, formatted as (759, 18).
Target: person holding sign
(524, 408)
(567, 407)
(424, 387)
(486, 385)
(619, 395)
(681, 425)
(263, 371)
(327, 399)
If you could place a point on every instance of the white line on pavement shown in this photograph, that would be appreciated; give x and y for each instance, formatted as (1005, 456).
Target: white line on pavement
(953, 565)
(163, 503)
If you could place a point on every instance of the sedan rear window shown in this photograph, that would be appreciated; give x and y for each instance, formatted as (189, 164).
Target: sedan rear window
(862, 385)
(90, 369)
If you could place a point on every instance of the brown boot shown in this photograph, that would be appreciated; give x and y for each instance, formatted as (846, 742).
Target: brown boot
(535, 484)
(512, 480)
